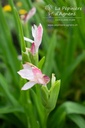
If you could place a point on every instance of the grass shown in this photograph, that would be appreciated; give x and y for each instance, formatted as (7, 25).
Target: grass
(63, 49)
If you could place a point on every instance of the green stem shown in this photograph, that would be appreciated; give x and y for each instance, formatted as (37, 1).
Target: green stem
(29, 110)
(26, 33)
(45, 119)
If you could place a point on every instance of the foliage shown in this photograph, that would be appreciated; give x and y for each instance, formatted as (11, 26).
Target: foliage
(64, 48)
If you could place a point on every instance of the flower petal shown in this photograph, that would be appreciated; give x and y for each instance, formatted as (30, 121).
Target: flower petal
(34, 30)
(28, 85)
(26, 74)
(30, 65)
(26, 16)
(37, 71)
(29, 40)
(33, 50)
(38, 37)
(27, 66)
(30, 14)
(46, 79)
(38, 76)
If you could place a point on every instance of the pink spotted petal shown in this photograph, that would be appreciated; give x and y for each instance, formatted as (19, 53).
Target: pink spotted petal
(40, 81)
(31, 13)
(26, 74)
(38, 37)
(37, 71)
(27, 66)
(33, 49)
(46, 79)
(31, 65)
(27, 16)
(28, 85)
(38, 76)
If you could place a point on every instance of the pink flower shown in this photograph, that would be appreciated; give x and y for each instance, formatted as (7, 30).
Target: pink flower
(34, 75)
(28, 15)
(37, 33)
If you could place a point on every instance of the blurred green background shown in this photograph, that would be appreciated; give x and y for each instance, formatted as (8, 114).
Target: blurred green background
(63, 45)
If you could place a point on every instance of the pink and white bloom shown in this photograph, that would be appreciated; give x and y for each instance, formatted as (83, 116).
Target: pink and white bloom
(28, 15)
(34, 75)
(37, 33)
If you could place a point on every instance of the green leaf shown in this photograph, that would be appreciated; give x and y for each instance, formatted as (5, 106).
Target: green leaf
(45, 96)
(9, 54)
(41, 62)
(69, 70)
(49, 97)
(48, 67)
(64, 111)
(18, 26)
(54, 92)
(7, 93)
(9, 109)
(78, 120)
